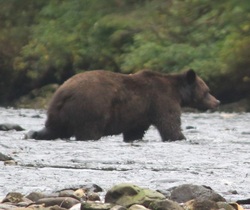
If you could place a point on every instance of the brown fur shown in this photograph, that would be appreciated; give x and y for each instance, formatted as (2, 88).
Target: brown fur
(99, 103)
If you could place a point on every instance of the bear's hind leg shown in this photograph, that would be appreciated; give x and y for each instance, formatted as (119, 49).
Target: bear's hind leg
(43, 134)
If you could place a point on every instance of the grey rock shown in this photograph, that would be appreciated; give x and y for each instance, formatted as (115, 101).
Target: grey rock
(4, 157)
(137, 207)
(186, 192)
(201, 205)
(118, 207)
(9, 126)
(35, 196)
(13, 197)
(165, 205)
(64, 202)
(96, 206)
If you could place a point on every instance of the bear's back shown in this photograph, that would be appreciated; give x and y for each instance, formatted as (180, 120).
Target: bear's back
(106, 85)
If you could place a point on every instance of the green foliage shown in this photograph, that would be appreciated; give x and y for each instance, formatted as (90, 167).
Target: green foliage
(150, 55)
(170, 57)
(47, 41)
(16, 20)
(235, 52)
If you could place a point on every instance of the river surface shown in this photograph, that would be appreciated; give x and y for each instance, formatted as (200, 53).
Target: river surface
(216, 154)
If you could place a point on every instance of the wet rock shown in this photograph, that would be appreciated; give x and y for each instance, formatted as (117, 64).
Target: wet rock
(245, 133)
(93, 197)
(17, 201)
(4, 157)
(35, 196)
(224, 205)
(237, 206)
(68, 193)
(137, 207)
(7, 206)
(10, 162)
(76, 207)
(96, 206)
(54, 208)
(118, 207)
(13, 197)
(41, 207)
(186, 192)
(201, 205)
(64, 202)
(165, 192)
(165, 205)
(8, 126)
(25, 203)
(234, 192)
(80, 194)
(129, 194)
(36, 116)
(190, 127)
(243, 201)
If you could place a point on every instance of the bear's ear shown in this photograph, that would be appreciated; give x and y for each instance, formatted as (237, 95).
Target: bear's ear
(190, 76)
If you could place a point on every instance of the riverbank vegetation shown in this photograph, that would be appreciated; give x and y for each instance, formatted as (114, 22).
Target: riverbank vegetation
(45, 42)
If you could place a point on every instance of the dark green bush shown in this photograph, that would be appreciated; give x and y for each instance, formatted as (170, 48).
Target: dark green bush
(44, 42)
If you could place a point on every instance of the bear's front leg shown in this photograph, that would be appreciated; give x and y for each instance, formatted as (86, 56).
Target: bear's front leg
(134, 134)
(169, 128)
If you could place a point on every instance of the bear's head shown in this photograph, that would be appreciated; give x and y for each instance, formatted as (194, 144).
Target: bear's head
(195, 92)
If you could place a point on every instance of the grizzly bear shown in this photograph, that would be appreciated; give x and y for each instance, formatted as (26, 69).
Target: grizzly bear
(99, 103)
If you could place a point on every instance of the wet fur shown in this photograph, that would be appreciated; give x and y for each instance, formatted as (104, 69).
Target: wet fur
(99, 103)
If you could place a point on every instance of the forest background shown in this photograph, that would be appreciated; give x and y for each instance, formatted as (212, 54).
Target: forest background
(46, 41)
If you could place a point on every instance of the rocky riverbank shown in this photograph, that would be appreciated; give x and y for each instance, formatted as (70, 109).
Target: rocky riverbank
(121, 197)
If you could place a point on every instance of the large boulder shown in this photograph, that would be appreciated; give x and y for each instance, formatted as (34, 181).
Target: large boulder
(129, 194)
(186, 192)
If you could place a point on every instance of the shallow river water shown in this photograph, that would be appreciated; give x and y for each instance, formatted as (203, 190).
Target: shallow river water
(216, 154)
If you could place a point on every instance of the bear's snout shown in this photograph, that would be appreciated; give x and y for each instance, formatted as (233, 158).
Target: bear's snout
(214, 103)
(209, 102)
(218, 102)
